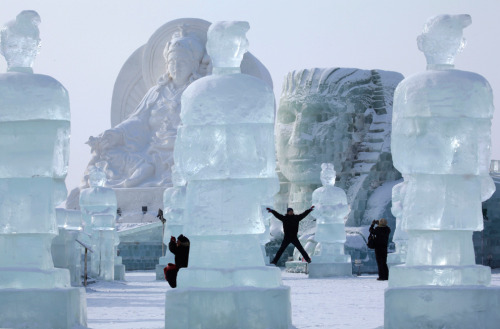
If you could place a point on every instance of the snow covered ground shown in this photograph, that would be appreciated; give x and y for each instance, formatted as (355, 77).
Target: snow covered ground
(353, 303)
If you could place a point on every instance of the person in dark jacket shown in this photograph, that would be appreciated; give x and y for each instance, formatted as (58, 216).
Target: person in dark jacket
(180, 249)
(290, 228)
(381, 233)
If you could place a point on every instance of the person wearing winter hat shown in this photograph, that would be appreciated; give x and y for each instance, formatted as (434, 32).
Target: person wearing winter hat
(290, 228)
(180, 248)
(381, 233)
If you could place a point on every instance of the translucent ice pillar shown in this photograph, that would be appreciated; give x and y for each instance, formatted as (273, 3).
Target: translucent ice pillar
(174, 203)
(441, 145)
(34, 143)
(99, 204)
(400, 237)
(66, 252)
(225, 152)
(331, 205)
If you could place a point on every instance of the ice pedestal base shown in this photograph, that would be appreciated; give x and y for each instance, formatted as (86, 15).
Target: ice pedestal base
(396, 258)
(296, 266)
(325, 270)
(228, 308)
(458, 307)
(160, 275)
(43, 308)
(119, 272)
(404, 276)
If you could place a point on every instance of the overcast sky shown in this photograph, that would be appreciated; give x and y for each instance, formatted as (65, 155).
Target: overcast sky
(85, 43)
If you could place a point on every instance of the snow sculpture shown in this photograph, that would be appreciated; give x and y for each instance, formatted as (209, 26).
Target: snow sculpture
(98, 203)
(331, 205)
(34, 142)
(441, 144)
(400, 237)
(225, 152)
(337, 115)
(138, 151)
(65, 250)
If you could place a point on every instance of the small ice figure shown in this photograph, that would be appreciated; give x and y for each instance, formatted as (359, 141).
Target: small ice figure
(441, 141)
(98, 205)
(329, 258)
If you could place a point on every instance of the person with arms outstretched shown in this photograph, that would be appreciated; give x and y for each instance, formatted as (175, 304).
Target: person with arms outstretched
(291, 229)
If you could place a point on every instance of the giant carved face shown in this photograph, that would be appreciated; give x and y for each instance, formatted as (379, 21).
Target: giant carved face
(305, 138)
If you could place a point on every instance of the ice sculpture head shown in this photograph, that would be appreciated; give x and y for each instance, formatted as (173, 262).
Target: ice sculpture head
(20, 41)
(227, 43)
(328, 174)
(442, 38)
(97, 176)
(183, 54)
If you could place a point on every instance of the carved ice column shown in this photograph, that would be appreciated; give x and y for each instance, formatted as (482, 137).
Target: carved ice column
(400, 237)
(441, 145)
(34, 147)
(174, 203)
(99, 204)
(66, 252)
(332, 209)
(225, 152)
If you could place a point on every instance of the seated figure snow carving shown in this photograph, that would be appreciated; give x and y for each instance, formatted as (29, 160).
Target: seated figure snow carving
(138, 151)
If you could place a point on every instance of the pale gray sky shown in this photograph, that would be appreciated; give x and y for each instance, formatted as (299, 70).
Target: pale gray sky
(85, 43)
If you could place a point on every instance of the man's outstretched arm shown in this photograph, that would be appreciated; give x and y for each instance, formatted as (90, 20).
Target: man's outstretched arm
(305, 213)
(276, 214)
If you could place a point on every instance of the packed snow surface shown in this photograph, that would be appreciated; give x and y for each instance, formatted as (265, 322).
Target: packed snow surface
(354, 302)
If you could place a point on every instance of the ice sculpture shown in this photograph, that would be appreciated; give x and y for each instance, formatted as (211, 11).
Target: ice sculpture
(174, 203)
(441, 144)
(98, 206)
(400, 237)
(341, 116)
(332, 209)
(225, 152)
(34, 143)
(66, 252)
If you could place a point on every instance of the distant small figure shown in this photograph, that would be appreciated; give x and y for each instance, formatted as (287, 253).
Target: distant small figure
(180, 249)
(381, 233)
(290, 228)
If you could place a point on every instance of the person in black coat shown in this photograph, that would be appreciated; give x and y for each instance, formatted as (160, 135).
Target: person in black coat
(290, 228)
(180, 249)
(381, 233)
